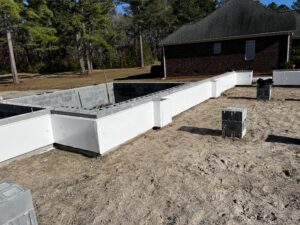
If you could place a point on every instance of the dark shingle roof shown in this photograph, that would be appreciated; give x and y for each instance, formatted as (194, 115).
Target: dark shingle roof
(235, 19)
(297, 32)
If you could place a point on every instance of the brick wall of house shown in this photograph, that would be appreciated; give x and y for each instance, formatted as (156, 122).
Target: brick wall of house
(197, 59)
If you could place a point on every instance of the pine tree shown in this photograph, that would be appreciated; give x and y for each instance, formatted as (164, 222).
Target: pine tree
(190, 11)
(278, 8)
(158, 21)
(10, 14)
(40, 35)
(136, 10)
(296, 5)
(96, 23)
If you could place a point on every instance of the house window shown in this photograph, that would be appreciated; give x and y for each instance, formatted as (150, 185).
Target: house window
(217, 48)
(250, 50)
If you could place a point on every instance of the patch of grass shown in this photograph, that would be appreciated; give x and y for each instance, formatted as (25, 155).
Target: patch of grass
(67, 80)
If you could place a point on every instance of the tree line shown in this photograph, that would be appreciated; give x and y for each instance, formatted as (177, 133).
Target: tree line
(49, 36)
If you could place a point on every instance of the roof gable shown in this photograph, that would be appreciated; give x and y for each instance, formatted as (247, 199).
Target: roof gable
(235, 18)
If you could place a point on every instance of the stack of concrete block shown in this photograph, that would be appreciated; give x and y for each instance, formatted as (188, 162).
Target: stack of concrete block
(16, 205)
(234, 122)
(264, 92)
(264, 89)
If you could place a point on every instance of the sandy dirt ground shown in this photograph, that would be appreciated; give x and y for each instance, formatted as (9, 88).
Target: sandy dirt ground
(185, 173)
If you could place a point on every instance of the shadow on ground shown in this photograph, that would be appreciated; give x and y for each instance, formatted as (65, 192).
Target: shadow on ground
(292, 100)
(201, 131)
(246, 98)
(8, 79)
(283, 140)
(141, 77)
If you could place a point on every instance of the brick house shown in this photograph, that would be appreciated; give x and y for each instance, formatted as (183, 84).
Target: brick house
(241, 35)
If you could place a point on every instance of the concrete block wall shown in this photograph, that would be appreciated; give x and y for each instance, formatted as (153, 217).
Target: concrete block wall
(127, 120)
(16, 205)
(162, 112)
(78, 98)
(75, 132)
(7, 110)
(127, 91)
(286, 77)
(25, 133)
(223, 83)
(190, 96)
(244, 77)
(101, 131)
(115, 129)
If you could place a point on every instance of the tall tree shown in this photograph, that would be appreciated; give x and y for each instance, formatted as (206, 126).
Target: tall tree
(10, 13)
(278, 8)
(192, 10)
(63, 35)
(136, 10)
(158, 21)
(296, 5)
(96, 22)
(67, 21)
(40, 35)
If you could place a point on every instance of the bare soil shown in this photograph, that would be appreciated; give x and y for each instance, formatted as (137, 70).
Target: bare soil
(186, 173)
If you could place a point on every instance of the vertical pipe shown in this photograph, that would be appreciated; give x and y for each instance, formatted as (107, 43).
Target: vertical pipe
(288, 48)
(141, 47)
(164, 62)
(106, 87)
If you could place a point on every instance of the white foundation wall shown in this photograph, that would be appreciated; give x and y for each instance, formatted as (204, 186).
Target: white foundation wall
(223, 83)
(24, 136)
(75, 132)
(120, 127)
(190, 97)
(162, 112)
(244, 77)
(286, 77)
(108, 132)
(115, 129)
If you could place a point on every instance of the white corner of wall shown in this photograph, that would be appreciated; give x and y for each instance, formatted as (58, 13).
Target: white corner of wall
(40, 135)
(214, 89)
(162, 112)
(75, 132)
(244, 77)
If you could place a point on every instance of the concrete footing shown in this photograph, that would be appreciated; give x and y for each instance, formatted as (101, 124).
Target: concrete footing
(234, 122)
(97, 119)
(16, 205)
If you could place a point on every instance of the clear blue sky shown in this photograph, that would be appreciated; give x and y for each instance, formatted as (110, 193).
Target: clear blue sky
(278, 2)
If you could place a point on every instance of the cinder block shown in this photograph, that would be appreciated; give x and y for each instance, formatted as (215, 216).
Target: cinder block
(234, 114)
(234, 122)
(16, 205)
(264, 92)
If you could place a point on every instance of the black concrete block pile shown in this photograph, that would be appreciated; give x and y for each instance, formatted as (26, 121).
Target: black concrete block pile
(234, 122)
(264, 89)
